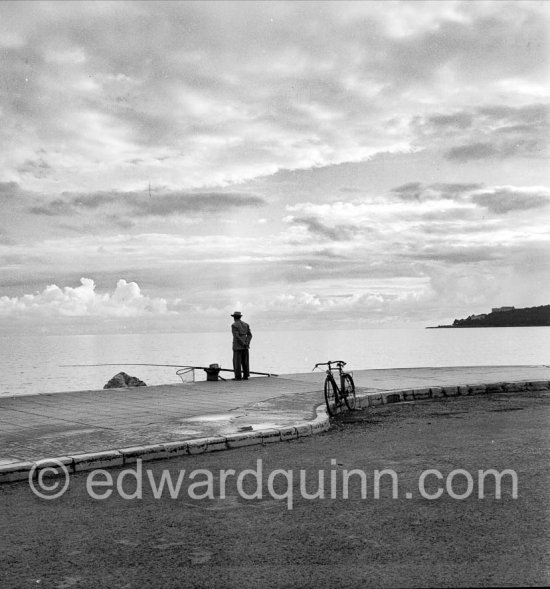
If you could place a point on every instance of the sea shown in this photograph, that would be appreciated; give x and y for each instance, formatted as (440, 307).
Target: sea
(31, 364)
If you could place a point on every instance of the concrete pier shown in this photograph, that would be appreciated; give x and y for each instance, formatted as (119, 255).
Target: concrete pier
(159, 421)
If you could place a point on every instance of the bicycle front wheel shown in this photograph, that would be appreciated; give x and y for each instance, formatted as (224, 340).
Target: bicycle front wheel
(349, 392)
(330, 396)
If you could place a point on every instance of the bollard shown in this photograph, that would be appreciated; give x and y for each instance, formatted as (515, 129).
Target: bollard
(212, 372)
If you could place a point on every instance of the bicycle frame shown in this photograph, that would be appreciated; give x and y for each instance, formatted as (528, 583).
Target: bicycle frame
(342, 394)
(329, 373)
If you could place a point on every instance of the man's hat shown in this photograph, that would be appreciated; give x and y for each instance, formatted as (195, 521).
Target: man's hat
(236, 314)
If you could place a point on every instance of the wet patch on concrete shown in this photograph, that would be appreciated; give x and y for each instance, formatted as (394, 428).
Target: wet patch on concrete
(282, 411)
(207, 418)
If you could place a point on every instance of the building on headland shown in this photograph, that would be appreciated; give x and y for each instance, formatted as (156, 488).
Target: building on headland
(501, 309)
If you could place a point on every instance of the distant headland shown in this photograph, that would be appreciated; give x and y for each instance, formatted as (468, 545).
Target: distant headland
(505, 317)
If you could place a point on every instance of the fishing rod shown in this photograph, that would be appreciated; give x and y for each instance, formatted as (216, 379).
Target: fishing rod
(205, 368)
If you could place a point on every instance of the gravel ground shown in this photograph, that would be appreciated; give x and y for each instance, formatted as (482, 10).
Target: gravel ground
(407, 541)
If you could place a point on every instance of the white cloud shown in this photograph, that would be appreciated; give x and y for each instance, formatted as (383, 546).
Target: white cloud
(83, 301)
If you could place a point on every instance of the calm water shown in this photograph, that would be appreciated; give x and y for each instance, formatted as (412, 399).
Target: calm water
(32, 364)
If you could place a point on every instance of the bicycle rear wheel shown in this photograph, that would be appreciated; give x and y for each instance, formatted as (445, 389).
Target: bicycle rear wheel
(349, 392)
(330, 396)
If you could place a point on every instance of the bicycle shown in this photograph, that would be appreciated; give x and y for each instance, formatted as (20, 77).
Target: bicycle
(336, 396)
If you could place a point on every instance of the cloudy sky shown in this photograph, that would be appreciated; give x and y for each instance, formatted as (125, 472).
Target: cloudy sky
(334, 165)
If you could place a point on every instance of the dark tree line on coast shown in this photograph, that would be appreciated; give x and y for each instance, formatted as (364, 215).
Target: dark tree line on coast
(507, 317)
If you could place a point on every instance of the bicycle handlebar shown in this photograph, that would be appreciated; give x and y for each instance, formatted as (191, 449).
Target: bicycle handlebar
(337, 362)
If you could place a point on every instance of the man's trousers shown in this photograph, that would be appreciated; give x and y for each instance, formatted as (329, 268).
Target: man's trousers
(240, 364)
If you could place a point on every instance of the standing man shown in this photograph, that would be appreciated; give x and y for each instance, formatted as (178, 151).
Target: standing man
(241, 343)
